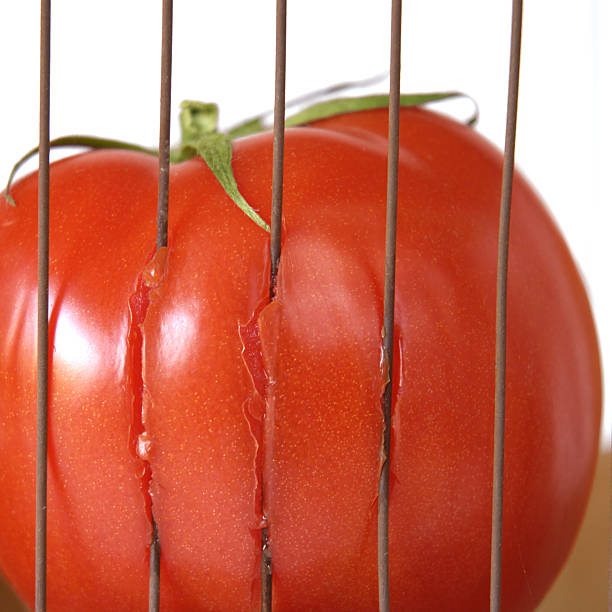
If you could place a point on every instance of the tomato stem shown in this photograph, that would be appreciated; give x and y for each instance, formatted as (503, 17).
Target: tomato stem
(200, 137)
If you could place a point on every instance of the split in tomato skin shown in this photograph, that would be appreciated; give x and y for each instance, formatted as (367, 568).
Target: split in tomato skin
(309, 450)
(98, 529)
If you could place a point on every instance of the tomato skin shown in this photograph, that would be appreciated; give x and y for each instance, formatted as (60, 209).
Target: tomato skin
(314, 460)
(94, 487)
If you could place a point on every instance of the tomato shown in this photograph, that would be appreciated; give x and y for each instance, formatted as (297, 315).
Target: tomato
(179, 390)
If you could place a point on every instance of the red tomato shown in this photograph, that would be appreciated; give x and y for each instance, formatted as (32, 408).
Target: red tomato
(175, 382)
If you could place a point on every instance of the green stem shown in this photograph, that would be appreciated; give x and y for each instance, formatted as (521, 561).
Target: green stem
(200, 137)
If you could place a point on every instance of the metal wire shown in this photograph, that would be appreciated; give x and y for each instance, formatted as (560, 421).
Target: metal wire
(276, 218)
(162, 237)
(279, 141)
(42, 376)
(501, 304)
(275, 248)
(164, 126)
(389, 303)
(154, 574)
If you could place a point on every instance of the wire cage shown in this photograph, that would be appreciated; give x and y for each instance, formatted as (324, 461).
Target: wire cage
(266, 584)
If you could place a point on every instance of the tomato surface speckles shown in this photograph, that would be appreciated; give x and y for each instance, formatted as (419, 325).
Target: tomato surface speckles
(248, 413)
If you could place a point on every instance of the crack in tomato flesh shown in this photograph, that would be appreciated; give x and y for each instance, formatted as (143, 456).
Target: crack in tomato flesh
(140, 441)
(254, 408)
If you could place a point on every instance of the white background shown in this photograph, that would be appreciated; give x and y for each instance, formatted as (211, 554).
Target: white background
(105, 81)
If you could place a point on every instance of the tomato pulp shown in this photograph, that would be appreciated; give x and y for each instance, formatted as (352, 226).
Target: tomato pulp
(178, 390)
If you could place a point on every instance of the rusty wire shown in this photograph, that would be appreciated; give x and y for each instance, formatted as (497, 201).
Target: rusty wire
(276, 217)
(501, 304)
(275, 247)
(389, 303)
(164, 125)
(279, 141)
(162, 237)
(42, 376)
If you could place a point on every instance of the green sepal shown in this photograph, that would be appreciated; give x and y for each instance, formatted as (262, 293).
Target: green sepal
(252, 126)
(199, 136)
(323, 110)
(216, 150)
(89, 142)
(339, 106)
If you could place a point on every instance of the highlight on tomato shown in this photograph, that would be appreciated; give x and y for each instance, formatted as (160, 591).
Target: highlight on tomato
(180, 393)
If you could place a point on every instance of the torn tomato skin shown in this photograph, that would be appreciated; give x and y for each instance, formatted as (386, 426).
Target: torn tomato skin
(320, 347)
(138, 304)
(140, 440)
(96, 515)
(252, 352)
(204, 455)
(257, 415)
(255, 408)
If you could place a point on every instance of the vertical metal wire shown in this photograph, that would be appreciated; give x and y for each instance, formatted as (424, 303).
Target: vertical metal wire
(164, 126)
(389, 291)
(279, 141)
(154, 574)
(276, 218)
(266, 573)
(42, 377)
(389, 303)
(162, 236)
(501, 304)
